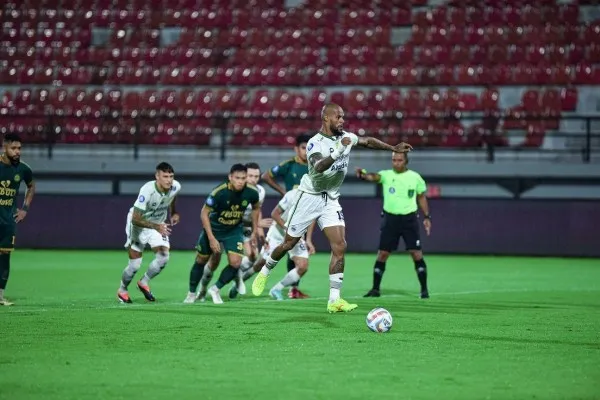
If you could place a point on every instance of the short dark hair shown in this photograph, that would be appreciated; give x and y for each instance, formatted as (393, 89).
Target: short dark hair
(252, 165)
(165, 167)
(238, 168)
(302, 139)
(11, 137)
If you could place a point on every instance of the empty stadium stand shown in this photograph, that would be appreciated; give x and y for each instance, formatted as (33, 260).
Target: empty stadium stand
(460, 74)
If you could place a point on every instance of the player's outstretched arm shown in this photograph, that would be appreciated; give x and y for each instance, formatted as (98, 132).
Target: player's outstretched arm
(376, 144)
(362, 174)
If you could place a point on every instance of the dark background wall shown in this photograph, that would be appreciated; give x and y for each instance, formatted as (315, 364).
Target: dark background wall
(498, 226)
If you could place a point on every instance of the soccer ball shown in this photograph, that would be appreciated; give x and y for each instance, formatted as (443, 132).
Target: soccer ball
(379, 320)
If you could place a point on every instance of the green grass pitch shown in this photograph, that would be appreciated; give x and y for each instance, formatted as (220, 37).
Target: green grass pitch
(495, 328)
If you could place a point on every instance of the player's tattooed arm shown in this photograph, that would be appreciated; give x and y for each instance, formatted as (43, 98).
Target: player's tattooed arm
(320, 163)
(362, 174)
(139, 220)
(376, 144)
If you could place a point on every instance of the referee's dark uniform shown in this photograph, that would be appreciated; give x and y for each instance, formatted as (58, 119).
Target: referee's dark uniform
(400, 193)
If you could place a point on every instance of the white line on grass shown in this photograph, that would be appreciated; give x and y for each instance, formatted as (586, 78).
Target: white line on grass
(56, 307)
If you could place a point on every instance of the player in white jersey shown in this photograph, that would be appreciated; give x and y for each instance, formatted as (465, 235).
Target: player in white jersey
(317, 199)
(275, 236)
(146, 227)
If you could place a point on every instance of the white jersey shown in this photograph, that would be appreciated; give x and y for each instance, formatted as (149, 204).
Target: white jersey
(286, 203)
(330, 180)
(247, 218)
(153, 203)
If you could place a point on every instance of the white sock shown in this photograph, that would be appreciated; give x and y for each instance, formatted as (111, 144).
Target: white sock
(246, 264)
(290, 278)
(207, 275)
(129, 272)
(270, 263)
(335, 285)
(265, 271)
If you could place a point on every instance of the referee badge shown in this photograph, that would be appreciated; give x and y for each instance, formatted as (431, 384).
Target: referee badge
(392, 190)
(411, 193)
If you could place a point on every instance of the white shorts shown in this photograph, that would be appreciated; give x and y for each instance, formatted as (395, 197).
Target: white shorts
(138, 237)
(274, 240)
(309, 207)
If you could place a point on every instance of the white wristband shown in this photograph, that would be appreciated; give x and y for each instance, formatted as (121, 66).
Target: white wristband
(337, 152)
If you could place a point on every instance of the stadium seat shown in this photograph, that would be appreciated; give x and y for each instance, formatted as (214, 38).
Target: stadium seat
(191, 63)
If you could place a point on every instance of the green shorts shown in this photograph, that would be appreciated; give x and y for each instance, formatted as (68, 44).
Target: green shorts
(7, 237)
(231, 242)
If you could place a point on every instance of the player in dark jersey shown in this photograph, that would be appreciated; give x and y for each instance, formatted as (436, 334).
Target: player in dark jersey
(12, 172)
(291, 172)
(222, 217)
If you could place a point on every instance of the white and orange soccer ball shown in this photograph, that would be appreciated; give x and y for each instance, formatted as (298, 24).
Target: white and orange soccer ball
(379, 320)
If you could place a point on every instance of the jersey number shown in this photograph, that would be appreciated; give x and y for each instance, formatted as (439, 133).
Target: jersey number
(340, 215)
(240, 246)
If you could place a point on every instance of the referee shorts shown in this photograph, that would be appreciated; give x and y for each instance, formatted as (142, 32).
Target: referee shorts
(394, 227)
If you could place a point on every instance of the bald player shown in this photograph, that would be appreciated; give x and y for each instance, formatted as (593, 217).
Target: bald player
(317, 200)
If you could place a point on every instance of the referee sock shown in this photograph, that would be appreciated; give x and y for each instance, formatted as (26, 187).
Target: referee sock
(378, 271)
(421, 269)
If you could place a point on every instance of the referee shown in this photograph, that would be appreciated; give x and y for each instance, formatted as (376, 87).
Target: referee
(403, 189)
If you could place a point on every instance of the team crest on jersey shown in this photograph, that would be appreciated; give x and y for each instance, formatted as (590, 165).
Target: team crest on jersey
(244, 203)
(392, 190)
(411, 193)
(17, 178)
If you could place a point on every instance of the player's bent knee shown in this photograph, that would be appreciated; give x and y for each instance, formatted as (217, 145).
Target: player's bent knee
(301, 265)
(416, 254)
(134, 254)
(203, 259)
(338, 247)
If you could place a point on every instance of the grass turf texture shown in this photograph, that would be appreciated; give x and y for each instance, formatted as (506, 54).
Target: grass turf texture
(495, 328)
